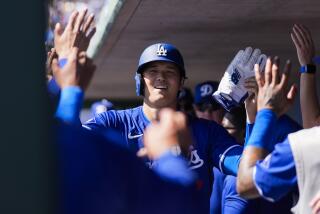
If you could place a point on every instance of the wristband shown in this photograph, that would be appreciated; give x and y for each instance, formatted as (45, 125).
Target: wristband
(62, 62)
(309, 69)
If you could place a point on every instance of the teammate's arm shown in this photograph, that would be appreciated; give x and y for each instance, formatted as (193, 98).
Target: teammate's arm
(310, 108)
(72, 69)
(273, 100)
(73, 78)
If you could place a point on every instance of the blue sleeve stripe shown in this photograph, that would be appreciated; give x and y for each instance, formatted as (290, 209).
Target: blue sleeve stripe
(223, 156)
(257, 186)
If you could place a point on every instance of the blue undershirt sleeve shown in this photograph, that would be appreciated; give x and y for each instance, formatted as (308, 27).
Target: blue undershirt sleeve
(232, 203)
(275, 176)
(70, 104)
(231, 160)
(249, 127)
(262, 132)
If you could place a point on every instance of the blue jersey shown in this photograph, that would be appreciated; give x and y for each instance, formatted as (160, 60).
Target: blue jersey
(225, 199)
(275, 176)
(97, 176)
(212, 145)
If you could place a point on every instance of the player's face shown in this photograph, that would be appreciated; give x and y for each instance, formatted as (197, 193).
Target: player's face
(234, 131)
(162, 83)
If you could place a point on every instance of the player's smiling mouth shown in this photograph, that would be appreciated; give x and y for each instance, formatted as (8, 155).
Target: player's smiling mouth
(161, 87)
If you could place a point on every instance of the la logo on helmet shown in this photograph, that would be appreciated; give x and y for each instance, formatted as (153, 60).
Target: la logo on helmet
(161, 51)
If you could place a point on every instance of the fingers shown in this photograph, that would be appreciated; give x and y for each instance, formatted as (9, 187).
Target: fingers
(315, 204)
(91, 33)
(58, 30)
(72, 20)
(262, 61)
(306, 34)
(253, 59)
(79, 21)
(275, 71)
(55, 67)
(258, 76)
(251, 85)
(82, 58)
(87, 24)
(285, 75)
(268, 72)
(299, 34)
(315, 200)
(291, 95)
(316, 207)
(237, 59)
(246, 55)
(295, 40)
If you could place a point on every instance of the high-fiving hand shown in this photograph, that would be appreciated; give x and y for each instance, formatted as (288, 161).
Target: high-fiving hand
(273, 93)
(77, 33)
(303, 42)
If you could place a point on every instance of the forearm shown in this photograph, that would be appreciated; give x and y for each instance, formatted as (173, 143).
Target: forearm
(245, 184)
(258, 146)
(70, 105)
(309, 101)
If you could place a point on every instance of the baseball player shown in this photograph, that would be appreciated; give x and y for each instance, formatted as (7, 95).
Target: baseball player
(292, 162)
(96, 175)
(224, 198)
(159, 77)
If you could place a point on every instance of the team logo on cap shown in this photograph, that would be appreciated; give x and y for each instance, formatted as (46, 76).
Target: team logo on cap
(206, 90)
(161, 51)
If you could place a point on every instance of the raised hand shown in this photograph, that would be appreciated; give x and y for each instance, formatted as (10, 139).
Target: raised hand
(77, 33)
(303, 42)
(78, 70)
(170, 132)
(231, 91)
(251, 102)
(50, 56)
(273, 93)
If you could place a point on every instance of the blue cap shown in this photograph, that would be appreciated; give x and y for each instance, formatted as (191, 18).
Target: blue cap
(203, 92)
(162, 52)
(101, 106)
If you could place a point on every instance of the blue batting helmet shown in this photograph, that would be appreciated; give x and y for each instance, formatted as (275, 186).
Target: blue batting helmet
(158, 52)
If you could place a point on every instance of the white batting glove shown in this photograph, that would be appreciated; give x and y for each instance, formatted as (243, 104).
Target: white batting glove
(231, 91)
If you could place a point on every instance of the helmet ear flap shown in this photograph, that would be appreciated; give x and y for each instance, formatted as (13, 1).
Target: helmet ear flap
(139, 84)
